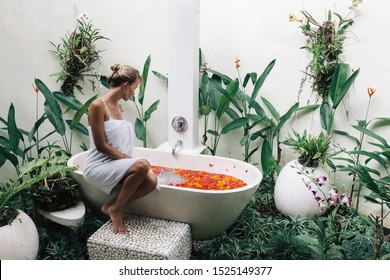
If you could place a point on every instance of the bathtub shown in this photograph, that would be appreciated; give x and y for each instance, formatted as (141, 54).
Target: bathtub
(208, 212)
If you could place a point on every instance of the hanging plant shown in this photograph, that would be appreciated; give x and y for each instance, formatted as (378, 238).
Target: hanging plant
(77, 54)
(328, 73)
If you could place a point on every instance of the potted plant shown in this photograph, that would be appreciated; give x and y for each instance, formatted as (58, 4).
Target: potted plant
(18, 233)
(302, 184)
(56, 192)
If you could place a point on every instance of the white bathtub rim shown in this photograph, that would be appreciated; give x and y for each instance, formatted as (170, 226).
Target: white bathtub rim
(258, 178)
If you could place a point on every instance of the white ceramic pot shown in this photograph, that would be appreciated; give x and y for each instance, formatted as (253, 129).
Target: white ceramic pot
(19, 240)
(294, 190)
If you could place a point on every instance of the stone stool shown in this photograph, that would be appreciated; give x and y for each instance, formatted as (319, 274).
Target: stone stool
(147, 239)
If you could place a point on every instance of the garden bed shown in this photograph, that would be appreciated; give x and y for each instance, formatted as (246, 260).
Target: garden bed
(260, 232)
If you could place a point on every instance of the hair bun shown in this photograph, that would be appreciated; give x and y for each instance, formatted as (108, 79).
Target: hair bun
(115, 67)
(122, 73)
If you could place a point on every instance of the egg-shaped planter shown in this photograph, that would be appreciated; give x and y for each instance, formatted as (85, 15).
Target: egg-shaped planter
(19, 240)
(301, 191)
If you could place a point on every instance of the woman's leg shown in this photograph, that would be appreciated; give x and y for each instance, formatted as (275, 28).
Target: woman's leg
(147, 186)
(133, 180)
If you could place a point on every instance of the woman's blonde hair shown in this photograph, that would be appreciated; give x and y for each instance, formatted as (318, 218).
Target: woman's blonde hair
(122, 74)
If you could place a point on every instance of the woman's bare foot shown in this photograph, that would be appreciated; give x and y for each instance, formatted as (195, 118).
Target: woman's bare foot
(117, 220)
(104, 209)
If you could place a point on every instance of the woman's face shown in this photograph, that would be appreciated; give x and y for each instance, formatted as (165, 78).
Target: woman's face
(129, 89)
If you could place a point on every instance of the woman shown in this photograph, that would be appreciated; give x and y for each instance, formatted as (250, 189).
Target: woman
(109, 162)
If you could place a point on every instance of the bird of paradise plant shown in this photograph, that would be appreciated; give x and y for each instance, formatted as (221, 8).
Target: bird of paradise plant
(372, 173)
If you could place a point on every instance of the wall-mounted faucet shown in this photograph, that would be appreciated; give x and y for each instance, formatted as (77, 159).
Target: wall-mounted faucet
(177, 144)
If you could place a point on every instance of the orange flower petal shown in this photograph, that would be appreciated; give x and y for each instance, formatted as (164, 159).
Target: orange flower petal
(371, 91)
(36, 89)
(203, 180)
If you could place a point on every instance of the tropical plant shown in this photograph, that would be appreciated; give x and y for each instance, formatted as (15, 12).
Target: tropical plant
(328, 73)
(312, 150)
(17, 146)
(241, 113)
(326, 239)
(35, 171)
(211, 100)
(286, 246)
(77, 53)
(55, 114)
(339, 87)
(57, 192)
(247, 113)
(143, 115)
(270, 160)
(371, 173)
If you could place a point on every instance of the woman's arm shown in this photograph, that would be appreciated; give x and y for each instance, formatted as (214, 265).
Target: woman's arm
(96, 116)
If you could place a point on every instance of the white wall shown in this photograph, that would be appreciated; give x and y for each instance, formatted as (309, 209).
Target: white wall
(256, 31)
(259, 31)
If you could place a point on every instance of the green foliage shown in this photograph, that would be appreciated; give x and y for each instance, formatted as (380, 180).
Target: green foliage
(328, 73)
(18, 146)
(369, 166)
(223, 96)
(77, 53)
(143, 115)
(213, 100)
(238, 105)
(325, 41)
(339, 87)
(326, 238)
(271, 137)
(55, 193)
(57, 242)
(55, 114)
(260, 232)
(33, 172)
(7, 215)
(312, 150)
(285, 246)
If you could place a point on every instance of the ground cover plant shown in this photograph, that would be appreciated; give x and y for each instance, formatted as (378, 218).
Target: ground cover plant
(260, 232)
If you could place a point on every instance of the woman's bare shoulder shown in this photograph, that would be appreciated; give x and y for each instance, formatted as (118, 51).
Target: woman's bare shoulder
(97, 105)
(97, 111)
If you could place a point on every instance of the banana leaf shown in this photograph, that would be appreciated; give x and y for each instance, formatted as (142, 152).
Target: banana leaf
(341, 83)
(82, 111)
(250, 76)
(37, 124)
(371, 134)
(52, 108)
(260, 81)
(145, 74)
(270, 108)
(326, 116)
(234, 125)
(140, 130)
(150, 110)
(68, 101)
(286, 117)
(5, 154)
(56, 120)
(267, 159)
(13, 132)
